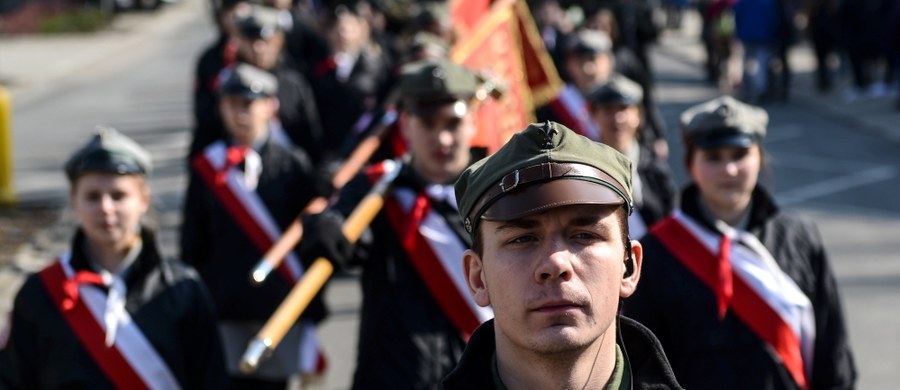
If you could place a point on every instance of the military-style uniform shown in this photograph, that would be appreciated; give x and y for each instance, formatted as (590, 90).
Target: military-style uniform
(166, 300)
(640, 361)
(148, 324)
(570, 107)
(415, 320)
(749, 306)
(239, 200)
(653, 187)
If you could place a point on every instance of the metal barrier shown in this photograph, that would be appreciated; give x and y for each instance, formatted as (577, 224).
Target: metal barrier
(7, 195)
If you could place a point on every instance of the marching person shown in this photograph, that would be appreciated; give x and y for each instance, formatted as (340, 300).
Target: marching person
(548, 217)
(416, 315)
(617, 111)
(112, 312)
(743, 294)
(243, 192)
(590, 62)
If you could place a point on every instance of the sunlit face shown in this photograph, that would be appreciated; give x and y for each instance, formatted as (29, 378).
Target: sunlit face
(246, 119)
(618, 124)
(440, 142)
(348, 33)
(726, 176)
(587, 71)
(109, 206)
(553, 279)
(261, 53)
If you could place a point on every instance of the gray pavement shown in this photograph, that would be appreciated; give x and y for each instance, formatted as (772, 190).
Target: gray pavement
(137, 76)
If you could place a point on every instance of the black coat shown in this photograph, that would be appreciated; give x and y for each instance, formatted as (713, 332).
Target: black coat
(405, 339)
(214, 243)
(165, 299)
(649, 366)
(707, 353)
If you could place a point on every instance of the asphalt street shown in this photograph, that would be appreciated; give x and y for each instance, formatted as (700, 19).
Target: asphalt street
(824, 164)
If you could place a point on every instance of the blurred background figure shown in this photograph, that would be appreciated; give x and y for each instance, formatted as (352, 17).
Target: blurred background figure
(111, 312)
(744, 294)
(616, 108)
(868, 28)
(244, 190)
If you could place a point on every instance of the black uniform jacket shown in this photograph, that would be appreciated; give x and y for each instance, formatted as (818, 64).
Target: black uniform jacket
(707, 353)
(405, 339)
(643, 354)
(165, 298)
(214, 243)
(342, 102)
(657, 187)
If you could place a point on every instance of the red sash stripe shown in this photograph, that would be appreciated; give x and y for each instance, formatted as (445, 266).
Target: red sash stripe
(89, 332)
(430, 269)
(746, 303)
(566, 117)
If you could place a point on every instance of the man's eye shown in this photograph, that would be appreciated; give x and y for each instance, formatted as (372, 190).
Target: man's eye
(522, 239)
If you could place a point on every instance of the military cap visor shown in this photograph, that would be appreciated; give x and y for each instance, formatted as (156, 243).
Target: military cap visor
(248, 82)
(724, 137)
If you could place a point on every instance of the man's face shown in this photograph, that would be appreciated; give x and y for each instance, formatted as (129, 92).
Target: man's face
(618, 124)
(260, 52)
(246, 119)
(440, 140)
(554, 279)
(589, 70)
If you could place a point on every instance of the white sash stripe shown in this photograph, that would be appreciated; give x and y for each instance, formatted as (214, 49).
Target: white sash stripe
(754, 264)
(215, 154)
(575, 104)
(130, 342)
(448, 249)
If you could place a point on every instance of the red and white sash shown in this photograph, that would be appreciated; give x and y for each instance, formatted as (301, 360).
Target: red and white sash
(764, 297)
(436, 252)
(131, 362)
(572, 110)
(251, 214)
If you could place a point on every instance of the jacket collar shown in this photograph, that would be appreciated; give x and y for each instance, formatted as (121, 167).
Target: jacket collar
(762, 208)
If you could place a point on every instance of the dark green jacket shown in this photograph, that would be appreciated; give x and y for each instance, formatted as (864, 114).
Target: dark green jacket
(649, 368)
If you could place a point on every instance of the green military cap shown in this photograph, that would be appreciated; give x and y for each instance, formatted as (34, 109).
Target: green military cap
(723, 121)
(618, 90)
(256, 21)
(545, 166)
(111, 152)
(429, 84)
(587, 42)
(248, 81)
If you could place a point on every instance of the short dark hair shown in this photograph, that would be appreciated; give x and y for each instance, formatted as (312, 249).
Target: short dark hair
(621, 212)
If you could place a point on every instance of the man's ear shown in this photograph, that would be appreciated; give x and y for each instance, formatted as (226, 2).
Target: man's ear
(474, 271)
(629, 282)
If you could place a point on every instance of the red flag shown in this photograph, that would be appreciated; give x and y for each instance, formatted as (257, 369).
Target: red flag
(505, 43)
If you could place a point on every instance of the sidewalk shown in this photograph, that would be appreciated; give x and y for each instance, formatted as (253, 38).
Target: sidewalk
(32, 66)
(877, 116)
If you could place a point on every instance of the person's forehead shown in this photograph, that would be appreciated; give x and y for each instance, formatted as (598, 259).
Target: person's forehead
(106, 179)
(577, 215)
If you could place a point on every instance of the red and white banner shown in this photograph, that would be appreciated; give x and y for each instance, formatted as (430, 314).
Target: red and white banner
(251, 214)
(131, 362)
(765, 298)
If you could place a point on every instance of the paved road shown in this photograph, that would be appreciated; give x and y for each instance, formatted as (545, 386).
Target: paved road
(824, 164)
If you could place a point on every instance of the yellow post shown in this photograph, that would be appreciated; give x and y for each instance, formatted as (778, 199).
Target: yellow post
(7, 195)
